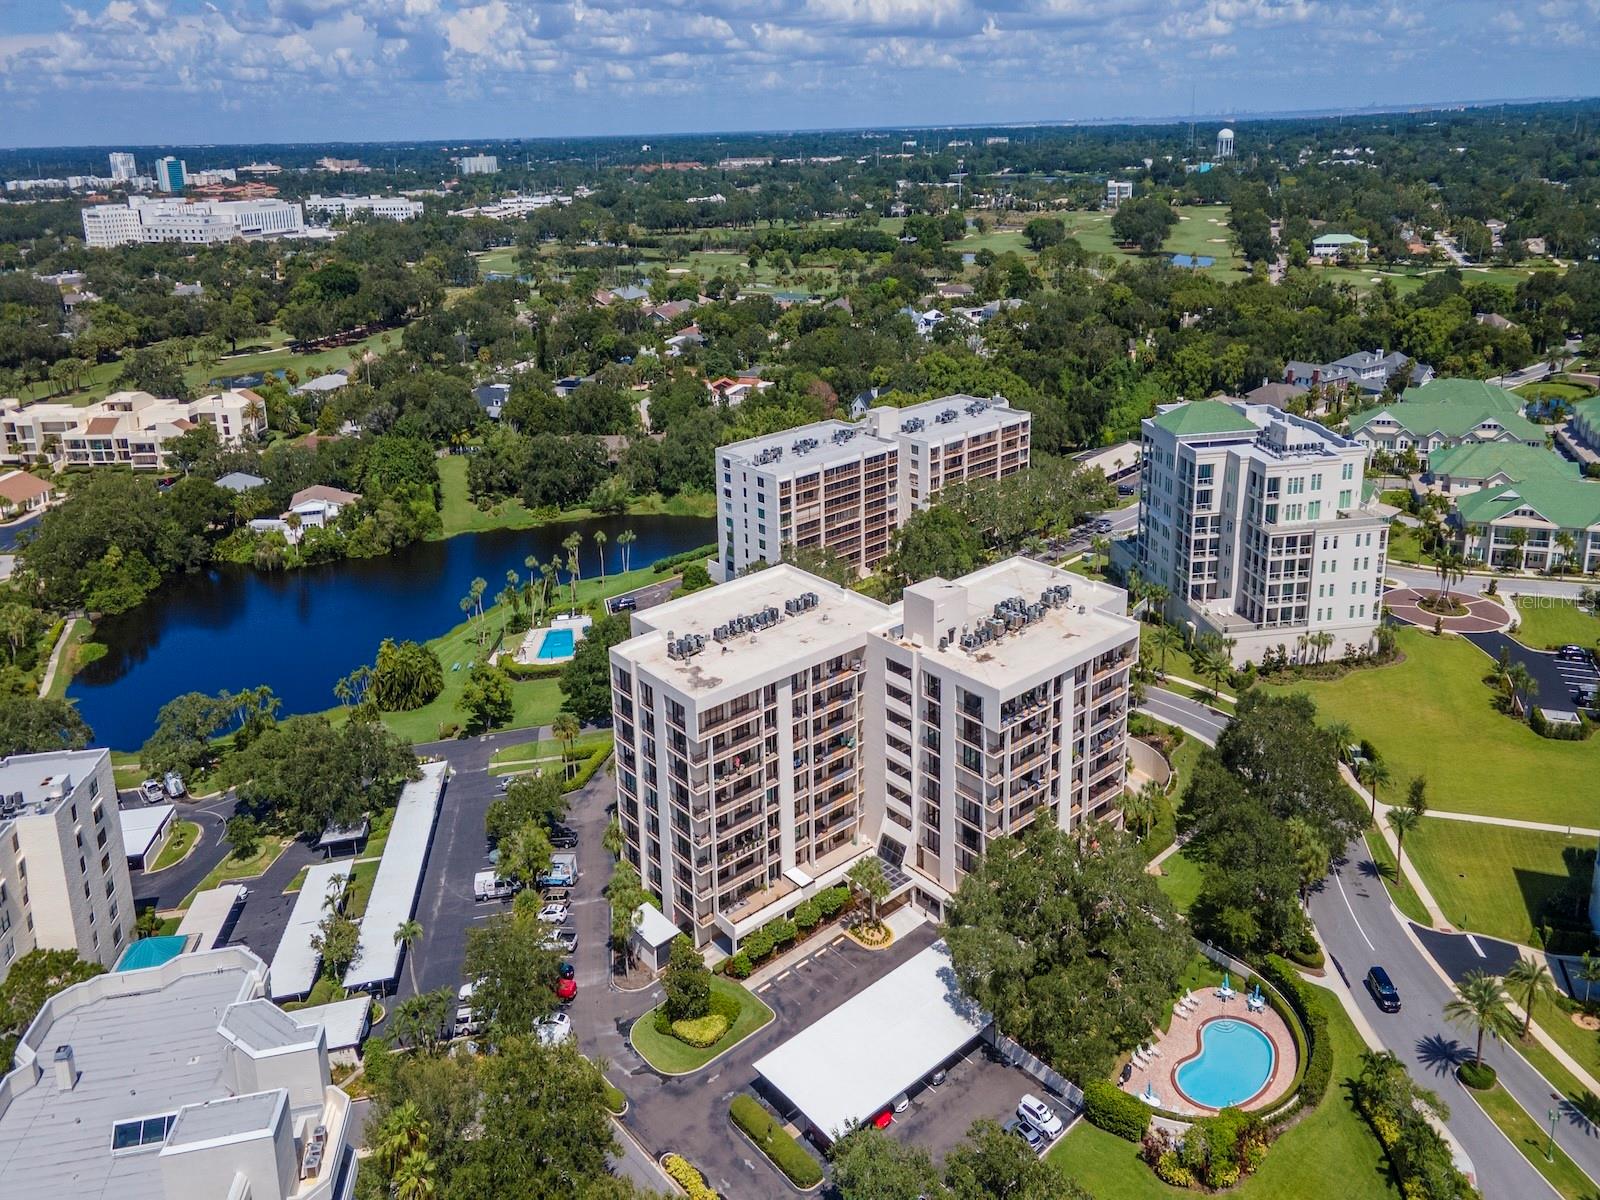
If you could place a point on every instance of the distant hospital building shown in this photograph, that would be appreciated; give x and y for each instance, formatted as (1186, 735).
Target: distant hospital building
(146, 219)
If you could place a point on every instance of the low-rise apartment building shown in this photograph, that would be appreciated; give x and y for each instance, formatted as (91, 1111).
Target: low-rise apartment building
(1255, 522)
(846, 487)
(129, 429)
(776, 729)
(172, 1083)
(388, 208)
(1445, 412)
(1540, 522)
(63, 871)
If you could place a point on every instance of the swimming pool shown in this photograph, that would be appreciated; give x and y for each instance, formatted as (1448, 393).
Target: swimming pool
(558, 643)
(151, 952)
(1234, 1064)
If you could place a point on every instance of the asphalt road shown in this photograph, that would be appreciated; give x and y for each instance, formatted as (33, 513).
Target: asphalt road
(1189, 715)
(1361, 929)
(1422, 577)
(166, 889)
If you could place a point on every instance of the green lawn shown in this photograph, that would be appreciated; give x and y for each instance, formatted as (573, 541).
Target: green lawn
(666, 1053)
(458, 514)
(1180, 879)
(359, 889)
(1583, 1044)
(178, 845)
(1330, 1155)
(1401, 892)
(1493, 879)
(1546, 623)
(1201, 229)
(1554, 390)
(521, 759)
(231, 868)
(1531, 1137)
(1432, 715)
(1405, 546)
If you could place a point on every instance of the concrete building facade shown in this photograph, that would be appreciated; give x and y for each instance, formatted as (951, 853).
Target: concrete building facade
(128, 429)
(777, 729)
(150, 219)
(1255, 522)
(846, 487)
(63, 871)
(389, 208)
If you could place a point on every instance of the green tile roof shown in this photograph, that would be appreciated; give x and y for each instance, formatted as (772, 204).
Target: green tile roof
(1453, 408)
(1479, 460)
(1205, 416)
(1588, 411)
(1567, 503)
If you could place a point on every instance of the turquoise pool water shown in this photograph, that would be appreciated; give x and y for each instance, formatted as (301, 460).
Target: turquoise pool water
(558, 643)
(1234, 1063)
(151, 952)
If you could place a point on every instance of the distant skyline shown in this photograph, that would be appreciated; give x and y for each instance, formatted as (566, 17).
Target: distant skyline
(154, 72)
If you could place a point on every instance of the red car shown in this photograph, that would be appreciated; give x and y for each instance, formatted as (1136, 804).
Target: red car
(883, 1120)
(566, 989)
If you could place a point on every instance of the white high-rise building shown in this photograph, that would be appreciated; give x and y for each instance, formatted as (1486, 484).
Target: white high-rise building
(776, 729)
(479, 164)
(148, 219)
(847, 487)
(389, 208)
(63, 872)
(123, 168)
(1255, 522)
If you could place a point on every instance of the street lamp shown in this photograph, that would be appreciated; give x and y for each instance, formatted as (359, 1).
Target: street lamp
(1550, 1149)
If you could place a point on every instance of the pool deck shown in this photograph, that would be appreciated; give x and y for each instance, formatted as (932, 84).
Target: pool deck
(1182, 1042)
(530, 652)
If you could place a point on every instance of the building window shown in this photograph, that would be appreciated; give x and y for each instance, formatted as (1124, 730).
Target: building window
(134, 1135)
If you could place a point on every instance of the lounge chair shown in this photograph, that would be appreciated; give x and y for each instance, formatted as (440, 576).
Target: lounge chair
(1179, 1011)
(1153, 1050)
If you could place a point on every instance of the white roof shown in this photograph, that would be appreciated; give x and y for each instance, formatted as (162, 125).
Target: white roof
(209, 913)
(394, 892)
(294, 966)
(850, 1064)
(343, 1022)
(141, 826)
(652, 927)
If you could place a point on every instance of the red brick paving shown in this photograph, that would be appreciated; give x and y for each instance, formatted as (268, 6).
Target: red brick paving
(1483, 615)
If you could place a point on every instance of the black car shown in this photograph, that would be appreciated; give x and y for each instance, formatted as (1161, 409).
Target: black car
(1383, 990)
(563, 837)
(567, 971)
(624, 604)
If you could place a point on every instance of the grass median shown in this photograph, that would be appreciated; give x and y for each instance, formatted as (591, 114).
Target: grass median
(184, 836)
(1532, 1139)
(673, 1057)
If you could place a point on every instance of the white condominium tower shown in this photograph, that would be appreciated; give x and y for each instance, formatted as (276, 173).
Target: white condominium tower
(776, 729)
(847, 487)
(1254, 521)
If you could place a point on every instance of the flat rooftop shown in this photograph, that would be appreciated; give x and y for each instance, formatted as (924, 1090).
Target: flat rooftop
(849, 1065)
(45, 778)
(1059, 633)
(839, 617)
(854, 440)
(142, 1049)
(227, 1118)
(972, 414)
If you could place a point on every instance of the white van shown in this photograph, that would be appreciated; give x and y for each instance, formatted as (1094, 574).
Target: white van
(486, 885)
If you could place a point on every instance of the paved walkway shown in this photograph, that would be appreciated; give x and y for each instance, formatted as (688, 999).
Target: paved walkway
(1483, 615)
(1509, 822)
(1181, 1042)
(55, 656)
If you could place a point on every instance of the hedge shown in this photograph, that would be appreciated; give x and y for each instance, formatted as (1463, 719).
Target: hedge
(775, 1142)
(1478, 1076)
(662, 565)
(1110, 1108)
(587, 768)
(616, 1102)
(1318, 1057)
(685, 1176)
(700, 1032)
(522, 672)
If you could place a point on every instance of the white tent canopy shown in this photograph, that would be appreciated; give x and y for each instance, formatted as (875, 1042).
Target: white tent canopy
(394, 891)
(848, 1066)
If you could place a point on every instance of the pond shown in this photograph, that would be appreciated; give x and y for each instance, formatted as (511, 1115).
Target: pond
(298, 632)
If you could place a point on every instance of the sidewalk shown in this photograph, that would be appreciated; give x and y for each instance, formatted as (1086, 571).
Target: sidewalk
(1509, 822)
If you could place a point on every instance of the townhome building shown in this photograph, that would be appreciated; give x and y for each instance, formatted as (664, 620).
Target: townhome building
(775, 730)
(1254, 521)
(64, 881)
(1446, 412)
(175, 1082)
(129, 429)
(1539, 522)
(847, 486)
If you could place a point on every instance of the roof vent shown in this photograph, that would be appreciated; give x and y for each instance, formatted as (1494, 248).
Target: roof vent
(66, 1068)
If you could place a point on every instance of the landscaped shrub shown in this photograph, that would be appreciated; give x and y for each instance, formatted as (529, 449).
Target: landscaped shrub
(1216, 1149)
(807, 915)
(738, 965)
(1479, 1076)
(773, 1141)
(1110, 1108)
(759, 944)
(685, 1176)
(616, 1102)
(662, 565)
(521, 672)
(518, 622)
(1308, 953)
(1319, 1057)
(700, 1032)
(1170, 1170)
(587, 768)
(832, 900)
(725, 1005)
(783, 932)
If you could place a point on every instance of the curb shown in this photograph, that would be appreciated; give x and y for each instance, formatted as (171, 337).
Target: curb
(737, 1128)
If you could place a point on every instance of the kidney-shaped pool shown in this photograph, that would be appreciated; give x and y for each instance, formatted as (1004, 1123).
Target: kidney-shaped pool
(1234, 1064)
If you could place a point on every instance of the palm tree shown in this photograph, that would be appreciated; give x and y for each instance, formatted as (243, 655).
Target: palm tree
(1139, 808)
(413, 1178)
(1527, 980)
(1402, 821)
(1568, 546)
(1375, 773)
(1450, 567)
(1518, 538)
(548, 581)
(532, 564)
(1164, 638)
(600, 544)
(401, 1133)
(570, 544)
(574, 569)
(566, 727)
(1100, 548)
(1480, 1004)
(1519, 685)
(1341, 733)
(626, 539)
(1589, 972)
(1155, 599)
(405, 937)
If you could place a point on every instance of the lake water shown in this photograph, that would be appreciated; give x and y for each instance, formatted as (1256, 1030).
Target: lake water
(298, 632)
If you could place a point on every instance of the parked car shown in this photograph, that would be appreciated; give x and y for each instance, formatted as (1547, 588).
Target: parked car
(556, 895)
(554, 1030)
(624, 604)
(1573, 654)
(567, 971)
(505, 783)
(566, 990)
(1035, 1139)
(938, 1077)
(563, 838)
(486, 885)
(1040, 1115)
(1384, 993)
(564, 940)
(467, 1022)
(174, 784)
(555, 914)
(883, 1120)
(152, 791)
(900, 1103)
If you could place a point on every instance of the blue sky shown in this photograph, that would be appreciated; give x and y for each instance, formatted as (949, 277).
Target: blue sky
(186, 71)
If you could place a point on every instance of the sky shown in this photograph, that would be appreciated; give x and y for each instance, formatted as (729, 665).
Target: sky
(182, 72)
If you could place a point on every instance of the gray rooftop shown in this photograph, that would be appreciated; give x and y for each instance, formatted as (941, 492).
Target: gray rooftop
(950, 416)
(230, 1117)
(43, 779)
(140, 1053)
(240, 481)
(261, 1027)
(792, 452)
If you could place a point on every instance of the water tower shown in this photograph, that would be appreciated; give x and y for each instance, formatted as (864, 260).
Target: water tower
(1224, 144)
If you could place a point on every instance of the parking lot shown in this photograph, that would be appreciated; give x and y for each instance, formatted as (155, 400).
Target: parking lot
(978, 1085)
(1558, 681)
(645, 597)
(1581, 676)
